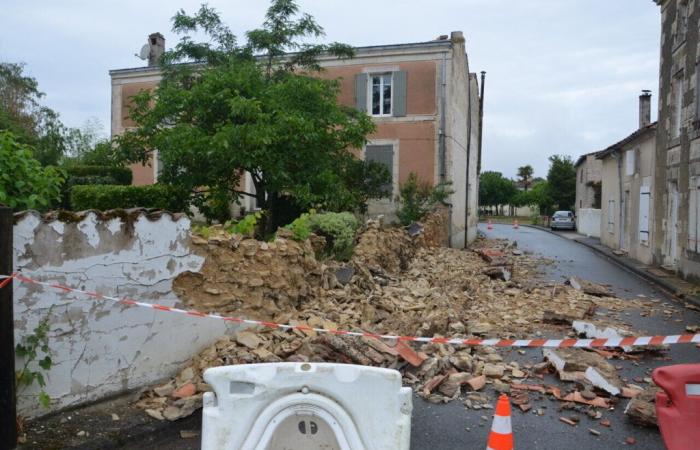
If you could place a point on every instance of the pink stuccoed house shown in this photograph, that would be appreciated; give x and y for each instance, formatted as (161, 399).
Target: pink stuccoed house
(422, 97)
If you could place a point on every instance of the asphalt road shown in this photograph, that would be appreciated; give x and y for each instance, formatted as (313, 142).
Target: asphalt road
(452, 426)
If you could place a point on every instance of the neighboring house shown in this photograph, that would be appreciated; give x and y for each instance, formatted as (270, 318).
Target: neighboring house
(588, 194)
(677, 168)
(422, 97)
(628, 182)
(588, 181)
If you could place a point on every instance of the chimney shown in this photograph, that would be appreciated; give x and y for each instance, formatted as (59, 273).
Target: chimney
(156, 42)
(644, 109)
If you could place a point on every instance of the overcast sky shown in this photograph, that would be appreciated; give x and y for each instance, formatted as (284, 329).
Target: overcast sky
(563, 76)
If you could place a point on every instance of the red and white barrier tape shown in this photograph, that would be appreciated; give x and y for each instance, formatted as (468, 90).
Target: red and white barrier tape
(586, 343)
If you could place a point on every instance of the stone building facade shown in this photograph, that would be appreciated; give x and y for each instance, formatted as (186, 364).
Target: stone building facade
(627, 173)
(677, 174)
(423, 99)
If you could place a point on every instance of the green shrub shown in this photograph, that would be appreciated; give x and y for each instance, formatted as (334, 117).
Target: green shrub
(417, 198)
(104, 197)
(301, 227)
(24, 183)
(121, 175)
(338, 228)
(245, 226)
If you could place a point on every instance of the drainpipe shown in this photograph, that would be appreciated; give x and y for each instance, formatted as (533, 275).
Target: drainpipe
(621, 225)
(443, 100)
(469, 142)
(481, 119)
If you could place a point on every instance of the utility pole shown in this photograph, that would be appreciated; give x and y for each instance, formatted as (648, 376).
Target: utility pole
(8, 405)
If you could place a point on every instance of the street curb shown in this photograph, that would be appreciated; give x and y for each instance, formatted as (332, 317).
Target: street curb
(644, 274)
(660, 282)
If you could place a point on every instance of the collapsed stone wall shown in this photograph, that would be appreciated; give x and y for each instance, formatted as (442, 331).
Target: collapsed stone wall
(274, 280)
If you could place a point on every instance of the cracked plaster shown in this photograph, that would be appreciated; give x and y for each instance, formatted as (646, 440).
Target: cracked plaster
(100, 348)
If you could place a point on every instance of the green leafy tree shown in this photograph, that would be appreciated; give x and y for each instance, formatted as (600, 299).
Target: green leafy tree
(24, 183)
(561, 181)
(232, 113)
(22, 114)
(525, 175)
(495, 190)
(538, 197)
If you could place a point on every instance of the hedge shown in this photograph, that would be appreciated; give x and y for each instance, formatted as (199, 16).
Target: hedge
(104, 197)
(76, 181)
(121, 175)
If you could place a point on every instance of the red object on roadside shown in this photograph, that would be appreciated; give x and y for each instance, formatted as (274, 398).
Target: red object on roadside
(678, 405)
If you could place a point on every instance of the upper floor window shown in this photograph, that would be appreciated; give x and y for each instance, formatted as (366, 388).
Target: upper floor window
(381, 94)
(681, 22)
(676, 105)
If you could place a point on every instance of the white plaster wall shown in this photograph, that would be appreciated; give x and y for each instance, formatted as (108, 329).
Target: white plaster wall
(473, 180)
(588, 222)
(100, 348)
(457, 98)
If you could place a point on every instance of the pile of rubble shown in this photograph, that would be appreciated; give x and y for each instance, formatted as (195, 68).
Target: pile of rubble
(396, 283)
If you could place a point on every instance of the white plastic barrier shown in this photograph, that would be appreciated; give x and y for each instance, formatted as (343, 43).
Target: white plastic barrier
(305, 406)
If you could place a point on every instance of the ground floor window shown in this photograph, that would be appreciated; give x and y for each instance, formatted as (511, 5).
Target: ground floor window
(384, 155)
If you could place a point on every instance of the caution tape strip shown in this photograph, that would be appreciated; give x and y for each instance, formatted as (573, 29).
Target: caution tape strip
(581, 343)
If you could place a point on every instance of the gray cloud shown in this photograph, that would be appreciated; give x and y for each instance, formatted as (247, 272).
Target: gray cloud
(563, 75)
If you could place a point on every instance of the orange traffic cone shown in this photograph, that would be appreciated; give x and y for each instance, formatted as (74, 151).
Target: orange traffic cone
(501, 436)
(515, 224)
(489, 226)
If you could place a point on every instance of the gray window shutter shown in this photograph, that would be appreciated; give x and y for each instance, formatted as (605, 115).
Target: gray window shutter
(399, 93)
(384, 155)
(361, 92)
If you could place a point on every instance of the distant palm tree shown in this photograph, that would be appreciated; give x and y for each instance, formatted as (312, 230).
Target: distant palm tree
(525, 175)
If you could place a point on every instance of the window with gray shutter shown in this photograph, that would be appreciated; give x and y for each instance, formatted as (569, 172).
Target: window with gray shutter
(361, 92)
(399, 93)
(382, 154)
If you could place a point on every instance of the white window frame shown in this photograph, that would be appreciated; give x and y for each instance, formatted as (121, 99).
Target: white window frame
(251, 203)
(370, 86)
(644, 229)
(630, 163)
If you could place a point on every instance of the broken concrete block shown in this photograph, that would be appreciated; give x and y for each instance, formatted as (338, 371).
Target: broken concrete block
(589, 287)
(577, 365)
(477, 383)
(249, 339)
(494, 370)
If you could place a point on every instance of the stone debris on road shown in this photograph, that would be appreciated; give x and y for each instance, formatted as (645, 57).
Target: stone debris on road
(400, 284)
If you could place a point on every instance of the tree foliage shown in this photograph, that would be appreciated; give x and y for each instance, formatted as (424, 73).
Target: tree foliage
(525, 175)
(24, 183)
(561, 180)
(22, 114)
(417, 198)
(231, 113)
(538, 196)
(495, 190)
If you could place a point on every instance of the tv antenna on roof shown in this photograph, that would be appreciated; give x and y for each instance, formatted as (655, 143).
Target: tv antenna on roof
(144, 53)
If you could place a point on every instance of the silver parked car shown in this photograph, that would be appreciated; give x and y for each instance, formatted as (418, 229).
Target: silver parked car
(563, 220)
